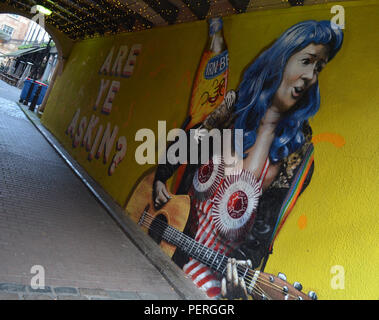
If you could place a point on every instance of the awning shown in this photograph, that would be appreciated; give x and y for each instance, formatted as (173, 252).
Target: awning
(23, 52)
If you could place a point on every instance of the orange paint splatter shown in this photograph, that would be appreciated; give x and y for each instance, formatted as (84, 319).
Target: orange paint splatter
(334, 138)
(185, 78)
(302, 222)
(129, 114)
(154, 73)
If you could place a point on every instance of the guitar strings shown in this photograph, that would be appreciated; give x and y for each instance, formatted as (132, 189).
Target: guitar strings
(147, 224)
(257, 289)
(164, 226)
(172, 231)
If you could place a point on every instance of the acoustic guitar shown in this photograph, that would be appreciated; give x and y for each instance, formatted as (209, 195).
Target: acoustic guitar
(165, 226)
(174, 213)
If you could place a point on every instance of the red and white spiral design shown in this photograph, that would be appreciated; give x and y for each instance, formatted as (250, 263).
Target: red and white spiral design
(208, 177)
(234, 205)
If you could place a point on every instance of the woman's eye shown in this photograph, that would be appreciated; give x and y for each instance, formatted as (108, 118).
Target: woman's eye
(306, 61)
(319, 67)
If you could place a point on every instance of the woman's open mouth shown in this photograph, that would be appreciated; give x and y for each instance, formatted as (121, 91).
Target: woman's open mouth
(297, 92)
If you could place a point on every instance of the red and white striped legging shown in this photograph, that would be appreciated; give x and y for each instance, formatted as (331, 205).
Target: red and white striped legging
(208, 235)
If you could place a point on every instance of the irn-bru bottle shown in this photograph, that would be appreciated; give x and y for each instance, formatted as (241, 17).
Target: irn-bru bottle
(210, 83)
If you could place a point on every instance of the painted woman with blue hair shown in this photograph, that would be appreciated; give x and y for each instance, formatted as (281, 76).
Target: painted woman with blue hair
(279, 92)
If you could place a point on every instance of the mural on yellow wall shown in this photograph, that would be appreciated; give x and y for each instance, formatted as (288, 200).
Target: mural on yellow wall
(268, 82)
(82, 131)
(239, 214)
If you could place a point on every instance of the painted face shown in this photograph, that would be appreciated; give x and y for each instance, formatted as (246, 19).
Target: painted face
(300, 73)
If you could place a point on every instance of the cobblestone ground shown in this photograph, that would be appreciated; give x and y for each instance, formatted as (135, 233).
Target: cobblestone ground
(15, 291)
(9, 92)
(48, 218)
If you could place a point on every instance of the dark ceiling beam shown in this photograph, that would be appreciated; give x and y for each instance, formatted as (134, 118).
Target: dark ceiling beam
(121, 17)
(93, 19)
(17, 4)
(99, 17)
(165, 9)
(295, 3)
(95, 12)
(73, 24)
(199, 8)
(82, 16)
(239, 5)
(143, 21)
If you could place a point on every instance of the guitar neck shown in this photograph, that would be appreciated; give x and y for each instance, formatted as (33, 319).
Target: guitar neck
(269, 286)
(211, 258)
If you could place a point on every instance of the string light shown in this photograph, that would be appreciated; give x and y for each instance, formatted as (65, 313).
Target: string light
(80, 19)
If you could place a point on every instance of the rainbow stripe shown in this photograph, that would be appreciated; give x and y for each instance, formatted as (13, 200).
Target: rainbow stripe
(294, 192)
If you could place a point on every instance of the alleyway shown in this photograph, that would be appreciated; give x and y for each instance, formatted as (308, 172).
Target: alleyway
(49, 220)
(9, 92)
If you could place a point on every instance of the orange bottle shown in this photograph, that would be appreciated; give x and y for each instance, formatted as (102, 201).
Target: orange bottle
(210, 83)
(211, 78)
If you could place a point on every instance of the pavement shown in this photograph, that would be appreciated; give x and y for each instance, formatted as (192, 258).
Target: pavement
(60, 232)
(9, 92)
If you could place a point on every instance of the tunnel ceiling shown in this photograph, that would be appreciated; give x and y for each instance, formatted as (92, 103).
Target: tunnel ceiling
(80, 19)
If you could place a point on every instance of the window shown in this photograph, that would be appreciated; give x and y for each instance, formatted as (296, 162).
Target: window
(14, 16)
(7, 29)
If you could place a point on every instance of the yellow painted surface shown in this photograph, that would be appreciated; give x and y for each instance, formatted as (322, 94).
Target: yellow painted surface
(334, 222)
(341, 205)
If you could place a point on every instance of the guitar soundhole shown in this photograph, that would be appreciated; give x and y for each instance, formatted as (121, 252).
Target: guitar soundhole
(157, 228)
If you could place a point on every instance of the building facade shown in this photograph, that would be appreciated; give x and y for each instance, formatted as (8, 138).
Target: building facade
(13, 30)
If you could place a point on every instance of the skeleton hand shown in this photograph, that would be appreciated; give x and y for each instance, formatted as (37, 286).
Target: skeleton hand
(223, 115)
(232, 286)
(230, 97)
(200, 133)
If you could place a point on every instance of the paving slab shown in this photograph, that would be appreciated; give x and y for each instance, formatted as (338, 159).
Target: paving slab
(49, 220)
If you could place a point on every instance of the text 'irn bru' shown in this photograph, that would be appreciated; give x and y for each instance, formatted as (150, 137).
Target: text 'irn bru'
(211, 78)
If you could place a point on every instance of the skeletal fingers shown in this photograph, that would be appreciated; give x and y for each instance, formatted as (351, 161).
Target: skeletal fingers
(233, 286)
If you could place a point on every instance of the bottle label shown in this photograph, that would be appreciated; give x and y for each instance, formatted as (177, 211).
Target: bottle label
(217, 65)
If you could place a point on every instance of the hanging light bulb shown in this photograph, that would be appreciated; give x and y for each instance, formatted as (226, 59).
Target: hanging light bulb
(43, 10)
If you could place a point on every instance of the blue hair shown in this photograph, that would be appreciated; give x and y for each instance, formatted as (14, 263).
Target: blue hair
(262, 79)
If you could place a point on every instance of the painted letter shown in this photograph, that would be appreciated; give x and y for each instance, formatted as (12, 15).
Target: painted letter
(117, 66)
(72, 127)
(95, 143)
(107, 142)
(103, 85)
(88, 135)
(120, 154)
(79, 135)
(114, 88)
(132, 58)
(106, 67)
